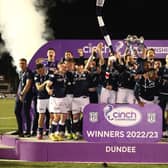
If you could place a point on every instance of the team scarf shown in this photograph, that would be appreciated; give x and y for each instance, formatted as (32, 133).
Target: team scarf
(99, 13)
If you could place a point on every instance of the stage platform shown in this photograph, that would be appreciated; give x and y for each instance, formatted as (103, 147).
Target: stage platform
(30, 149)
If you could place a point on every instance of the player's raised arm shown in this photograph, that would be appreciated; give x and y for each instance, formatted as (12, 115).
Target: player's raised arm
(93, 54)
(100, 53)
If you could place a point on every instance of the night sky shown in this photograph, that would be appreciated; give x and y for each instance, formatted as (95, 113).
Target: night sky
(122, 17)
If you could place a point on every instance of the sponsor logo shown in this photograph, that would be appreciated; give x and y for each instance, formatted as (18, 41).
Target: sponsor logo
(87, 49)
(124, 116)
(93, 117)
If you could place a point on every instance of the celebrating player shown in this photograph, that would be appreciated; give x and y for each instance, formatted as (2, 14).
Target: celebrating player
(41, 79)
(57, 104)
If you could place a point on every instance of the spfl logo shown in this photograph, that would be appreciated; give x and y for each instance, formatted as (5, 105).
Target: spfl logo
(122, 116)
(93, 117)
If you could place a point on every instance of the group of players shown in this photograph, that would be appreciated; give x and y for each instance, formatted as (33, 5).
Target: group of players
(61, 90)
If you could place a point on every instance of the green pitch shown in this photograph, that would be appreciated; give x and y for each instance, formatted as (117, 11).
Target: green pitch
(12, 164)
(7, 117)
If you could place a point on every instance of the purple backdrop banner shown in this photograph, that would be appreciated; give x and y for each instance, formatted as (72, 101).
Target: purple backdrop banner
(160, 46)
(122, 123)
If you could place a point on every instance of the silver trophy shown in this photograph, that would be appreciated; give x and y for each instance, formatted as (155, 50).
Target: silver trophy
(134, 44)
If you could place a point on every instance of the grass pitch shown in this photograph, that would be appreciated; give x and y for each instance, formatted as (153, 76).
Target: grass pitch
(13, 164)
(7, 116)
